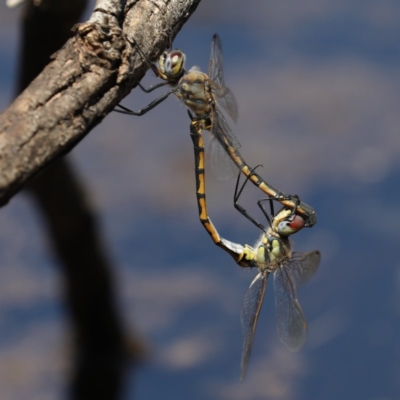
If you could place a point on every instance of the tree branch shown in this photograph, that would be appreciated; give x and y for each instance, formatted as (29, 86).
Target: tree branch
(86, 79)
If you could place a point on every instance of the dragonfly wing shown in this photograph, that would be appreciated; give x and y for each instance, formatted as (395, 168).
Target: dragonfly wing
(303, 266)
(222, 167)
(215, 67)
(221, 164)
(226, 99)
(290, 320)
(251, 307)
(221, 129)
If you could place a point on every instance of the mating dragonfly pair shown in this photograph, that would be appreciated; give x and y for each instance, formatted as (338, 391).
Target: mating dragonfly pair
(203, 94)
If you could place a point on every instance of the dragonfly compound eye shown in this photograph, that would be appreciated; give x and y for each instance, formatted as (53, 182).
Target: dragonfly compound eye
(174, 64)
(161, 65)
(291, 225)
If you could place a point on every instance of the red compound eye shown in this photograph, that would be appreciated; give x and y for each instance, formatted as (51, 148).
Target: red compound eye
(297, 223)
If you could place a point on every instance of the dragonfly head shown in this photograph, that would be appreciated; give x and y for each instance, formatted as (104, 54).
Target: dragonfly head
(286, 223)
(171, 64)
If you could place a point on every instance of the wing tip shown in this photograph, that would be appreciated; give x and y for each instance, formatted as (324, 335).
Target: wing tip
(317, 254)
(216, 36)
(244, 365)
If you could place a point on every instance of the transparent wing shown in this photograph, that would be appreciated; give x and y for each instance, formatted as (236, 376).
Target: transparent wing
(222, 166)
(215, 67)
(226, 100)
(251, 307)
(303, 266)
(224, 95)
(221, 130)
(290, 320)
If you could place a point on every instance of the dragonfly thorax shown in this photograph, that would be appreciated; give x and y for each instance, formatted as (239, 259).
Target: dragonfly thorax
(171, 65)
(271, 249)
(194, 91)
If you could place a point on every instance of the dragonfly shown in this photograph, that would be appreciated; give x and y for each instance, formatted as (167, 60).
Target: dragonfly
(197, 126)
(271, 254)
(203, 94)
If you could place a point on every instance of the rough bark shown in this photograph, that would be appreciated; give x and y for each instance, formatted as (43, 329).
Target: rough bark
(86, 79)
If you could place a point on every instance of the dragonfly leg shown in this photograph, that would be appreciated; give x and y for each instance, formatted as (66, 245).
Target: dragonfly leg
(146, 109)
(151, 88)
(294, 198)
(190, 115)
(153, 68)
(264, 211)
(239, 207)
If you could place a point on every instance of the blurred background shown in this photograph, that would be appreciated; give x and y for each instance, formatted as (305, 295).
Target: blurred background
(318, 88)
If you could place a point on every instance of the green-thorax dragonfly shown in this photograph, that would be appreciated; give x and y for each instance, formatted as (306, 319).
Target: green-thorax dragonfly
(272, 254)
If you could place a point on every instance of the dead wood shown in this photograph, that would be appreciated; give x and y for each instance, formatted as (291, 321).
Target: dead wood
(85, 80)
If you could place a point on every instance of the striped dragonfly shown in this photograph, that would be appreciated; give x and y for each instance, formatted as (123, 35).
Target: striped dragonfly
(202, 94)
(304, 210)
(272, 254)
